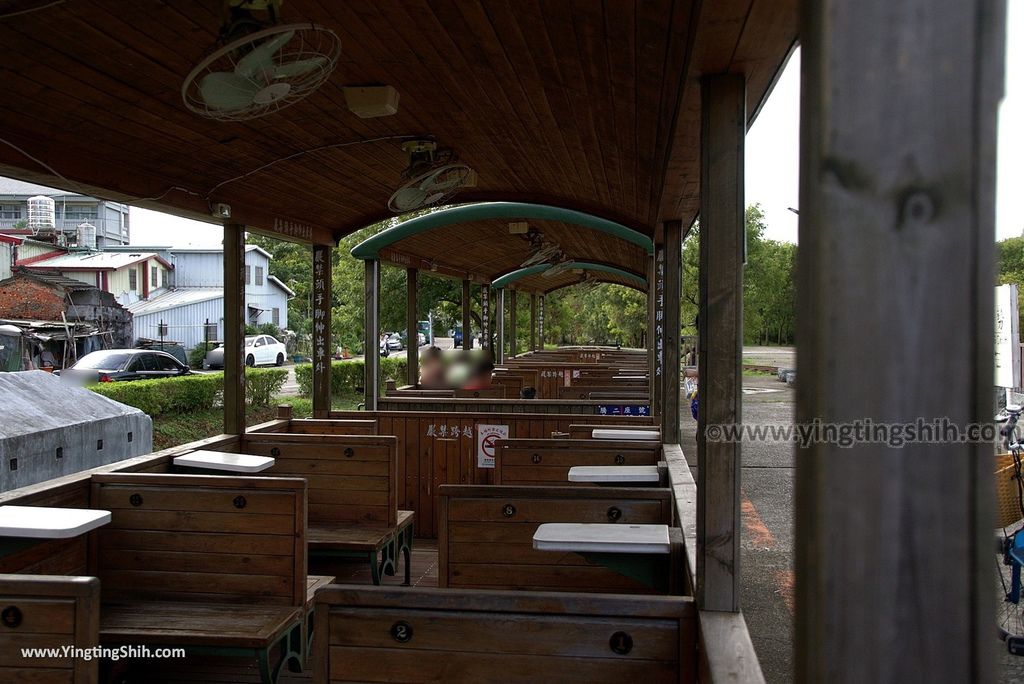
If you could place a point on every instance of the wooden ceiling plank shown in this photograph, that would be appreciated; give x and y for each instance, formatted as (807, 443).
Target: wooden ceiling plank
(540, 123)
(592, 50)
(532, 27)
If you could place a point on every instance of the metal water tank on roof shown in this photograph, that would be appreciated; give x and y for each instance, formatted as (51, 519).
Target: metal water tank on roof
(41, 213)
(86, 235)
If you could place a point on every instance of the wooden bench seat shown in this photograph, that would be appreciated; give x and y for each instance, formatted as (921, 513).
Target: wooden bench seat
(196, 624)
(48, 611)
(374, 634)
(524, 462)
(486, 536)
(205, 562)
(353, 494)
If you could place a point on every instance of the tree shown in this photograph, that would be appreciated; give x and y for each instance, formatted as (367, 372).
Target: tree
(769, 308)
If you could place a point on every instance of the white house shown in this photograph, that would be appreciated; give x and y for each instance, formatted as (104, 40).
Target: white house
(197, 296)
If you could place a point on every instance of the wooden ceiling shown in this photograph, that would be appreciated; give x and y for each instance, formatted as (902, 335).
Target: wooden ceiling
(484, 250)
(576, 103)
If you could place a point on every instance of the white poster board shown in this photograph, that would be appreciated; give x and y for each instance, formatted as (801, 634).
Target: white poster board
(486, 436)
(1007, 337)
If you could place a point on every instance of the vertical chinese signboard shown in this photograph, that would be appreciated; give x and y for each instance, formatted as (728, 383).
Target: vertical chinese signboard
(1007, 359)
(485, 318)
(540, 323)
(659, 315)
(321, 329)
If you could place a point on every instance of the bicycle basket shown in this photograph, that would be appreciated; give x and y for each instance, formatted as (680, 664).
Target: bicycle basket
(1007, 501)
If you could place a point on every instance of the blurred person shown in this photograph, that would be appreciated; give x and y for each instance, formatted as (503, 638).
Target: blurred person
(528, 393)
(482, 374)
(432, 369)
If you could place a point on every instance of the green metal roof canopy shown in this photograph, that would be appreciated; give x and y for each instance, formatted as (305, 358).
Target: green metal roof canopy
(370, 248)
(509, 278)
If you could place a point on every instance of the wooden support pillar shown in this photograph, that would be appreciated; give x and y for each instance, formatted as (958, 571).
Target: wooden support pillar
(672, 232)
(321, 330)
(897, 184)
(533, 321)
(720, 316)
(412, 347)
(513, 324)
(371, 341)
(500, 314)
(467, 320)
(234, 329)
(485, 319)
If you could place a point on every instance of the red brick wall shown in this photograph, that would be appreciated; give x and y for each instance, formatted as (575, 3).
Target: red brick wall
(22, 298)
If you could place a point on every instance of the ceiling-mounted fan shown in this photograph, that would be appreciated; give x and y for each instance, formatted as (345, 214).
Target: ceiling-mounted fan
(558, 268)
(258, 66)
(433, 175)
(541, 251)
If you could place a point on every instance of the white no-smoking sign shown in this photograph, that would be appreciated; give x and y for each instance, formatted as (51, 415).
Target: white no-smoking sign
(486, 436)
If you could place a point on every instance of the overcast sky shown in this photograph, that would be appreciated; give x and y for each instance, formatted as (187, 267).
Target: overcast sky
(772, 160)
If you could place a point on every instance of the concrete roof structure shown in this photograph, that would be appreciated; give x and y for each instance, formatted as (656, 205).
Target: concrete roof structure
(35, 401)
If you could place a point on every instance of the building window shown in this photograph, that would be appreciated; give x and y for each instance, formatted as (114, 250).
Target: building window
(10, 211)
(248, 274)
(153, 277)
(163, 278)
(133, 280)
(259, 275)
(80, 213)
(276, 316)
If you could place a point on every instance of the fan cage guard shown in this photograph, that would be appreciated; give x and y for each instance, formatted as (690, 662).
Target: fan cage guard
(462, 171)
(310, 40)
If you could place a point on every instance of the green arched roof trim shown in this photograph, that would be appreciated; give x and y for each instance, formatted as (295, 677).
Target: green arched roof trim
(509, 278)
(635, 286)
(370, 248)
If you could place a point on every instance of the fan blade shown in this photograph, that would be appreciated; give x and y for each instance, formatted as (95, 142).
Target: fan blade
(261, 59)
(224, 91)
(407, 199)
(299, 67)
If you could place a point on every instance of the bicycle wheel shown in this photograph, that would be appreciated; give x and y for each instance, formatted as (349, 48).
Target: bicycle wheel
(1010, 600)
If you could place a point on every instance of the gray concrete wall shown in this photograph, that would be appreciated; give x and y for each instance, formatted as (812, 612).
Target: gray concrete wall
(49, 428)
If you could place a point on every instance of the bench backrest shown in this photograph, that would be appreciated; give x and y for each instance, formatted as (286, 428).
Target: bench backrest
(486, 535)
(352, 478)
(372, 634)
(497, 392)
(200, 538)
(584, 391)
(320, 426)
(547, 461)
(48, 611)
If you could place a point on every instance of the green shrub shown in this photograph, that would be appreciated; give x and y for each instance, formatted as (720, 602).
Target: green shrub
(190, 393)
(348, 376)
(261, 384)
(166, 395)
(197, 354)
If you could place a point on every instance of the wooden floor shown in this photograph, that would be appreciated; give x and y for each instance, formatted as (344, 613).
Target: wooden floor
(198, 668)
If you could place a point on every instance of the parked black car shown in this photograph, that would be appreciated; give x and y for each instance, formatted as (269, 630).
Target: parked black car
(110, 365)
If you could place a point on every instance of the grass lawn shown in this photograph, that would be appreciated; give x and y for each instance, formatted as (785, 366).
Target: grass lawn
(180, 428)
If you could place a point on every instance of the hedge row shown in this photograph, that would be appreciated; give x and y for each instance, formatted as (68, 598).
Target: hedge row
(192, 392)
(348, 376)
